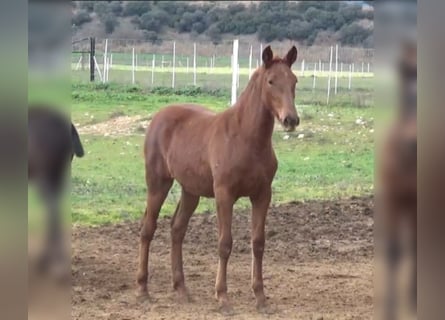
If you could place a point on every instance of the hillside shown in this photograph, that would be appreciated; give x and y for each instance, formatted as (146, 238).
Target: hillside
(308, 23)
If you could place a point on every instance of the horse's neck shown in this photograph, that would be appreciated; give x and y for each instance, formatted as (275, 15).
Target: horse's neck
(255, 119)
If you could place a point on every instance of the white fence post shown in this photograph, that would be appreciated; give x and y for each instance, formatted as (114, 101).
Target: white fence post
(187, 64)
(336, 68)
(97, 68)
(174, 63)
(234, 70)
(350, 76)
(363, 67)
(108, 68)
(78, 63)
(302, 68)
(105, 62)
(194, 64)
(315, 76)
(329, 77)
(368, 67)
(153, 63)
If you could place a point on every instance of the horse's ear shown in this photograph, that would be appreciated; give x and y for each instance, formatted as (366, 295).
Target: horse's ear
(267, 56)
(291, 56)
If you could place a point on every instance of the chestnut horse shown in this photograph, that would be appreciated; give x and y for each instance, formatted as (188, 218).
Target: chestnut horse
(226, 156)
(398, 181)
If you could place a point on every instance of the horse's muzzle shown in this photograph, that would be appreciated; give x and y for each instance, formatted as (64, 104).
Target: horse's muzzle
(290, 123)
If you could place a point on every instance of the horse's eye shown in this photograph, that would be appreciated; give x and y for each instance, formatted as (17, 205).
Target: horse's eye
(270, 82)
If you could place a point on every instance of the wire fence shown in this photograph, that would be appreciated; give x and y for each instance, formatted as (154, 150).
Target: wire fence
(323, 71)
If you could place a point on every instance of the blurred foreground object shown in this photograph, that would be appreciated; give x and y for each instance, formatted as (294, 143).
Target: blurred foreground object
(52, 143)
(396, 215)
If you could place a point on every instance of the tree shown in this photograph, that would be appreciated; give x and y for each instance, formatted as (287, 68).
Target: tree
(214, 34)
(153, 37)
(110, 23)
(116, 8)
(80, 18)
(101, 9)
(136, 8)
(353, 34)
(87, 5)
(154, 20)
(150, 23)
(198, 27)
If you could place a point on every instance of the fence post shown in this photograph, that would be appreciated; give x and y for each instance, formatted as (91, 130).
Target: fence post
(329, 77)
(132, 67)
(111, 60)
(107, 68)
(92, 53)
(336, 68)
(153, 63)
(302, 68)
(194, 64)
(368, 67)
(234, 70)
(363, 67)
(174, 62)
(350, 76)
(187, 64)
(315, 75)
(97, 68)
(105, 62)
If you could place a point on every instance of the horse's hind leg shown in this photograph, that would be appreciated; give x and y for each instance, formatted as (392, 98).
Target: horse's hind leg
(53, 254)
(180, 220)
(157, 192)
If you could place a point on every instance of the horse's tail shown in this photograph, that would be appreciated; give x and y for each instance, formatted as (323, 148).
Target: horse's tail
(78, 148)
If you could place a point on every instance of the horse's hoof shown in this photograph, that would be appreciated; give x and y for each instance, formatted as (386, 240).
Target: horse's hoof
(264, 308)
(226, 309)
(142, 296)
(182, 296)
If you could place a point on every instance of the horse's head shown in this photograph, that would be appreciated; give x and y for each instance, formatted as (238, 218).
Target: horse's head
(278, 87)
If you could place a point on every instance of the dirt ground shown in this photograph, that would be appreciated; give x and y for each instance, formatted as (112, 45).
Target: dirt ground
(317, 265)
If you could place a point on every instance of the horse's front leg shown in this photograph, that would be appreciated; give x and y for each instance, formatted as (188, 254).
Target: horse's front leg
(260, 206)
(224, 208)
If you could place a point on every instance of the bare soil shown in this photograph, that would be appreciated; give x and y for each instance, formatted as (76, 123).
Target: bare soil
(317, 265)
(119, 125)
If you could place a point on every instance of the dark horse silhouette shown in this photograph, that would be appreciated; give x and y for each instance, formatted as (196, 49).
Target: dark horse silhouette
(397, 182)
(226, 156)
(52, 143)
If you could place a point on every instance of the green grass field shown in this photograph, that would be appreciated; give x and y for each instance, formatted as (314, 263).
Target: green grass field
(333, 159)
